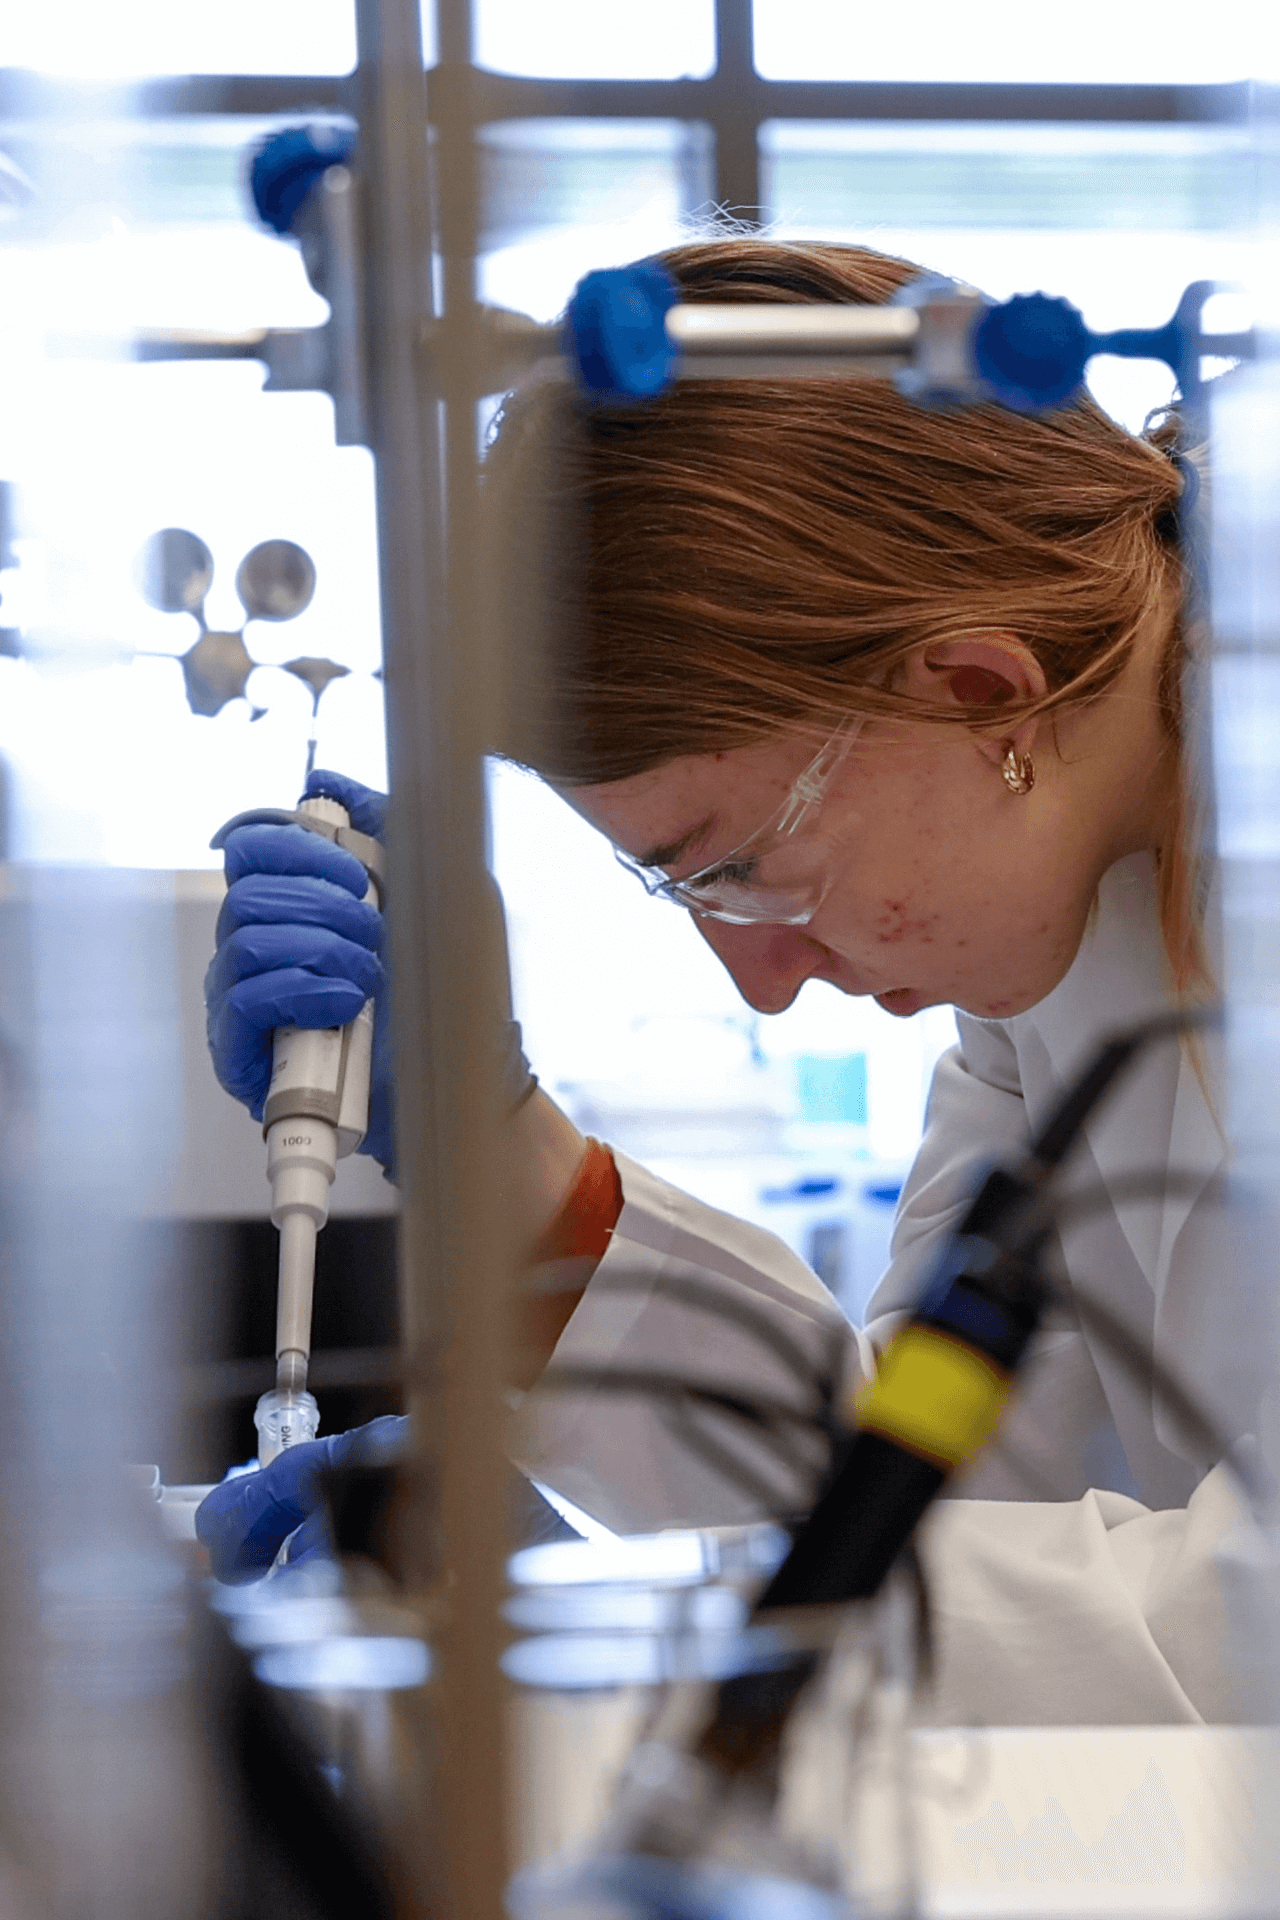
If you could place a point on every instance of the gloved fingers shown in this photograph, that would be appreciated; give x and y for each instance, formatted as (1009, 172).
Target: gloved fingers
(290, 997)
(313, 1540)
(380, 1443)
(241, 1022)
(244, 1521)
(290, 900)
(379, 1142)
(242, 1056)
(288, 849)
(256, 950)
(366, 808)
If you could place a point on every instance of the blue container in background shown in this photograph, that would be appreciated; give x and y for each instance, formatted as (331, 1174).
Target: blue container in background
(832, 1091)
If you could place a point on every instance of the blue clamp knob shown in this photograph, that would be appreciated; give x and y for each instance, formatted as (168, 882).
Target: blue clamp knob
(616, 333)
(1030, 353)
(286, 167)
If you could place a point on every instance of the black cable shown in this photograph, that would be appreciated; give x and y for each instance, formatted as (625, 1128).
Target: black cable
(772, 1419)
(680, 1416)
(1080, 1203)
(926, 1640)
(758, 1324)
(741, 1403)
(1141, 1363)
(1065, 1123)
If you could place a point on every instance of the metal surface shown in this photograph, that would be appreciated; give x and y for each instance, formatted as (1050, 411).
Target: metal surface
(735, 89)
(784, 342)
(1245, 672)
(736, 112)
(441, 684)
(174, 571)
(102, 1807)
(118, 1775)
(276, 580)
(342, 251)
(792, 330)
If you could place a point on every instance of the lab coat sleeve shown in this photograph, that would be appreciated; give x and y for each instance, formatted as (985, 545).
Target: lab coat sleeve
(975, 1116)
(1087, 1612)
(686, 1294)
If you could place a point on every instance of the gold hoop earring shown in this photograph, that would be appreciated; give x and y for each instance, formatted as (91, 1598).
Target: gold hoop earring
(1018, 771)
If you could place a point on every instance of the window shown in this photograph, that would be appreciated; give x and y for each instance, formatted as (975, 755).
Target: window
(82, 39)
(580, 39)
(1115, 41)
(1116, 218)
(982, 142)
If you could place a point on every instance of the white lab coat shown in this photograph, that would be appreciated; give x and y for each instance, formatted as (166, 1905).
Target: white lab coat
(1080, 1579)
(1169, 1267)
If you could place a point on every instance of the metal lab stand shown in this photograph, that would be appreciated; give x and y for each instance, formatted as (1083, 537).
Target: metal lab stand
(442, 686)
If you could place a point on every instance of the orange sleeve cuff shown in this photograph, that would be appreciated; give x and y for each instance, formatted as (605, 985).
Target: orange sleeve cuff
(563, 1259)
(588, 1214)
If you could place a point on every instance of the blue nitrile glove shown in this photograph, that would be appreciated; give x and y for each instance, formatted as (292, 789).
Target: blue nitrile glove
(298, 946)
(245, 1521)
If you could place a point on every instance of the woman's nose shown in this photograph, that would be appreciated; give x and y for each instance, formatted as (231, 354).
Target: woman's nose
(769, 965)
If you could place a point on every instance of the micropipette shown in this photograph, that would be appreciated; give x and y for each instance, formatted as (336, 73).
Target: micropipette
(317, 1111)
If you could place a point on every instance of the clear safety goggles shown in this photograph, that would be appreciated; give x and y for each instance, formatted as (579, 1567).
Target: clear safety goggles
(735, 887)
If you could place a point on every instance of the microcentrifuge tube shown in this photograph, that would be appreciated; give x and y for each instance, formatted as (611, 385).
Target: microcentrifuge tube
(284, 1417)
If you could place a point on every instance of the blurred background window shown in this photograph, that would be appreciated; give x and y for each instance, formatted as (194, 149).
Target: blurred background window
(1116, 41)
(129, 39)
(1119, 218)
(140, 220)
(581, 39)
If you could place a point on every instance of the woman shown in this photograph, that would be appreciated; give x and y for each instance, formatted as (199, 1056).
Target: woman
(892, 699)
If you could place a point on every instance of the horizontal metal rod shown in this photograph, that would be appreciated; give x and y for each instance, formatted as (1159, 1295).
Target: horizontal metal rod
(216, 1382)
(727, 97)
(790, 330)
(793, 366)
(733, 99)
(25, 95)
(176, 343)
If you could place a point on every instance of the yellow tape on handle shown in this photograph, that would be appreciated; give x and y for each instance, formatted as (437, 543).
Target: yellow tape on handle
(936, 1396)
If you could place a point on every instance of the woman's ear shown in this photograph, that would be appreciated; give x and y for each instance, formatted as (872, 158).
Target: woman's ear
(979, 675)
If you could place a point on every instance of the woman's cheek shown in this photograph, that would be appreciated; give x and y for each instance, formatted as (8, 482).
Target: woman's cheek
(898, 921)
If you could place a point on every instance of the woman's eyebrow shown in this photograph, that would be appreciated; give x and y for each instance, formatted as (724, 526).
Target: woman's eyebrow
(670, 851)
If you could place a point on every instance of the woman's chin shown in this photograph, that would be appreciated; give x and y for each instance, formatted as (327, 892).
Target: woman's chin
(902, 1002)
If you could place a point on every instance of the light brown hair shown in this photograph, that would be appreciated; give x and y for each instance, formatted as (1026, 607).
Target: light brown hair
(737, 557)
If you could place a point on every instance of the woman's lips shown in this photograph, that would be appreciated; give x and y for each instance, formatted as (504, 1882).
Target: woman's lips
(902, 1001)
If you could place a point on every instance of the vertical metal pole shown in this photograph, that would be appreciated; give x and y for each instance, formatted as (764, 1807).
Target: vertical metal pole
(102, 1800)
(737, 90)
(442, 685)
(1246, 716)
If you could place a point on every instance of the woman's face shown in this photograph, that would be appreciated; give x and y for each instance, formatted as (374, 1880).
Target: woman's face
(941, 886)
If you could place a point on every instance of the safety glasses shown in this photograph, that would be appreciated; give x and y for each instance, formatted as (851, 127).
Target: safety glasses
(735, 887)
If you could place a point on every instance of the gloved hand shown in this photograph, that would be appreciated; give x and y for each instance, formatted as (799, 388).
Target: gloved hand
(245, 1521)
(297, 946)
